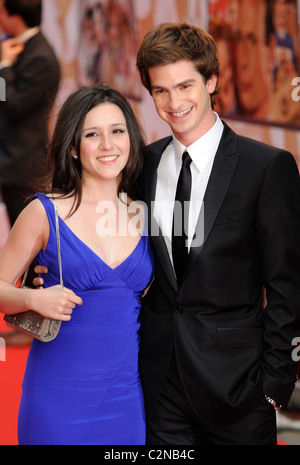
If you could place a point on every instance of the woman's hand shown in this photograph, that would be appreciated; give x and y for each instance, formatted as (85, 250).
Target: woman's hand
(53, 302)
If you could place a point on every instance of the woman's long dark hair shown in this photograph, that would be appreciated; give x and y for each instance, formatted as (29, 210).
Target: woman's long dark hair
(64, 173)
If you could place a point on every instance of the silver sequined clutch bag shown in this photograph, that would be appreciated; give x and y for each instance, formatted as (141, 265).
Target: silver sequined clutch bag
(32, 323)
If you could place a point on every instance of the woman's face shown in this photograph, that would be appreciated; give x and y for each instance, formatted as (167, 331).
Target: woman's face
(105, 143)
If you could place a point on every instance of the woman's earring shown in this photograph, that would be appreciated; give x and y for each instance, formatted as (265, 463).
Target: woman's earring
(74, 154)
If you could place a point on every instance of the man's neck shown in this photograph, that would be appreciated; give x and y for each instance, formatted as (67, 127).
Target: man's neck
(18, 28)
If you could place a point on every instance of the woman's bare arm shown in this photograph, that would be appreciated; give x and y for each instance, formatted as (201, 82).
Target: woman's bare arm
(28, 236)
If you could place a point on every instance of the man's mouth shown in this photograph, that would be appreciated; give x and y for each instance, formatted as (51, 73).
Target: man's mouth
(181, 114)
(245, 86)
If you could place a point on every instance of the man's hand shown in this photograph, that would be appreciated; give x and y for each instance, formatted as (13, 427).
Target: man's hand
(38, 281)
(10, 50)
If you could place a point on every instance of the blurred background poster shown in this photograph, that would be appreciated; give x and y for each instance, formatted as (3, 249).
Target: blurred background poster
(108, 45)
(258, 48)
(64, 25)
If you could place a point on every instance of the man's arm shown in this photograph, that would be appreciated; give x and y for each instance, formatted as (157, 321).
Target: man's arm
(278, 233)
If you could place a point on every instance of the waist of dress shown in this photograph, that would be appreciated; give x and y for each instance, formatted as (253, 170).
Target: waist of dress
(107, 308)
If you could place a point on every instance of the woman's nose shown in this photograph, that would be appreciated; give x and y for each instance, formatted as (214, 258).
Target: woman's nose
(105, 142)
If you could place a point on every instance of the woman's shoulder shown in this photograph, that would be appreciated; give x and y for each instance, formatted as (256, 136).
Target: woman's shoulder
(34, 207)
(52, 201)
(65, 205)
(32, 223)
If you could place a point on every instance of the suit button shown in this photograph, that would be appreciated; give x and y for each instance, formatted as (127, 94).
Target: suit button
(179, 310)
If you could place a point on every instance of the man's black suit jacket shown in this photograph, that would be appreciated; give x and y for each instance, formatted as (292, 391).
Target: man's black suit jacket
(31, 86)
(230, 350)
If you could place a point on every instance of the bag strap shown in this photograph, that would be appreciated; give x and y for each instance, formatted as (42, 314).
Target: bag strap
(58, 242)
(58, 247)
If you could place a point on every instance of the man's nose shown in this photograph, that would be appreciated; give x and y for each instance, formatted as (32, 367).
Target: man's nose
(174, 101)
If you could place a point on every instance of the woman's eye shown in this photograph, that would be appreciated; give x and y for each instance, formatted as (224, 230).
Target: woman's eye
(91, 134)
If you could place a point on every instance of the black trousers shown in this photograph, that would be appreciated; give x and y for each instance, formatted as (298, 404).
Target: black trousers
(15, 199)
(174, 423)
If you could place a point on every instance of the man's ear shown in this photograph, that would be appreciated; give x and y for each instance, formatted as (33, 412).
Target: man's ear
(211, 83)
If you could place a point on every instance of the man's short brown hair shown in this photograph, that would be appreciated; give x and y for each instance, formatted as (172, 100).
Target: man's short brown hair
(29, 10)
(172, 42)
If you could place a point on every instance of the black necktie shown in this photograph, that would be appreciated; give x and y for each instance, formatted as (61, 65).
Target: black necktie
(180, 217)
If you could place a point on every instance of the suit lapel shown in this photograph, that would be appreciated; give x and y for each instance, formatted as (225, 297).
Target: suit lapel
(223, 168)
(154, 155)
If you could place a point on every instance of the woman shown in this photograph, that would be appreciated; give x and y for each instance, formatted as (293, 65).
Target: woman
(84, 387)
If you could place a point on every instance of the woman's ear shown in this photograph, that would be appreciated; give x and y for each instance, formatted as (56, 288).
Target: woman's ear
(74, 154)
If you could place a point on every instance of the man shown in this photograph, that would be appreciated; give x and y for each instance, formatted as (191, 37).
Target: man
(214, 362)
(31, 73)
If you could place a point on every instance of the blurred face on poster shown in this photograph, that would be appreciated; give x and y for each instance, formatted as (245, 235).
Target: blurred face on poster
(4, 19)
(253, 60)
(225, 102)
(108, 46)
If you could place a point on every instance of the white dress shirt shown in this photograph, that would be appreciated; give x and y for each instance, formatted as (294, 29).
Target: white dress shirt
(202, 153)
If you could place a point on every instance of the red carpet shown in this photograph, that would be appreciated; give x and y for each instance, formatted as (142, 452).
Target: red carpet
(11, 376)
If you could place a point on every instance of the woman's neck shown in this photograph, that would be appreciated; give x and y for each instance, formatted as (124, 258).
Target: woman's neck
(95, 192)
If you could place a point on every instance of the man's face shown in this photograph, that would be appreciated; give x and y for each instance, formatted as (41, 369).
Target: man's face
(182, 99)
(252, 59)
(5, 18)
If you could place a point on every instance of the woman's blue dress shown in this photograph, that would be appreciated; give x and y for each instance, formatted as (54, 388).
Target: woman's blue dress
(84, 386)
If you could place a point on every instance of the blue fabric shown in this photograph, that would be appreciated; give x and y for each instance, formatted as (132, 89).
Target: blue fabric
(84, 387)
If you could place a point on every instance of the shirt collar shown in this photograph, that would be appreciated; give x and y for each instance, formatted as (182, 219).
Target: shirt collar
(28, 34)
(203, 149)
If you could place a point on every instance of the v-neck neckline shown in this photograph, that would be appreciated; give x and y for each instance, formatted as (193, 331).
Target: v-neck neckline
(95, 253)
